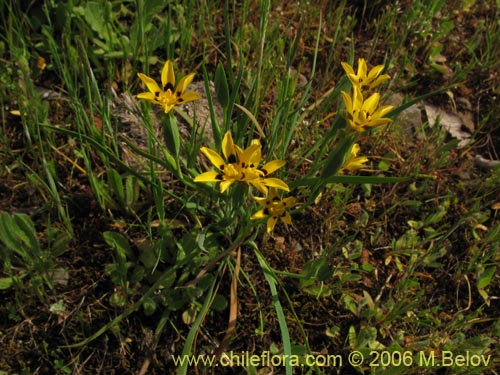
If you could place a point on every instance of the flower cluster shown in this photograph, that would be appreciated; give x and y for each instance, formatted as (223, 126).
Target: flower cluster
(361, 112)
(275, 208)
(241, 165)
(238, 165)
(169, 95)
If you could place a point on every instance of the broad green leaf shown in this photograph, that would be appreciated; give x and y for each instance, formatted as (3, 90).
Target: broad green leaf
(6, 231)
(119, 243)
(60, 244)
(5, 283)
(219, 303)
(149, 306)
(315, 270)
(94, 14)
(485, 277)
(131, 191)
(19, 229)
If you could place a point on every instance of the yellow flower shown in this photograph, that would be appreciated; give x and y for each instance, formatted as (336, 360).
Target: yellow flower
(274, 208)
(354, 162)
(362, 114)
(241, 165)
(169, 95)
(363, 80)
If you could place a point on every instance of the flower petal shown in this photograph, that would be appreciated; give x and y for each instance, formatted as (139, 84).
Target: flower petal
(379, 80)
(378, 122)
(347, 68)
(355, 149)
(189, 97)
(289, 201)
(354, 164)
(357, 127)
(362, 68)
(347, 101)
(276, 183)
(370, 104)
(263, 201)
(209, 176)
(258, 183)
(167, 107)
(183, 84)
(259, 215)
(272, 166)
(286, 218)
(251, 156)
(149, 96)
(374, 73)
(382, 111)
(214, 157)
(150, 84)
(228, 148)
(168, 76)
(271, 222)
(225, 184)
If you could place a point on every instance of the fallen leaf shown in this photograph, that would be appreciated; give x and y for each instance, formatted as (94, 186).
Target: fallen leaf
(451, 122)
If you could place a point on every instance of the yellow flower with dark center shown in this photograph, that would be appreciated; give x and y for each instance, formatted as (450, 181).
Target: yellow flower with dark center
(241, 165)
(362, 114)
(363, 79)
(354, 162)
(275, 208)
(169, 95)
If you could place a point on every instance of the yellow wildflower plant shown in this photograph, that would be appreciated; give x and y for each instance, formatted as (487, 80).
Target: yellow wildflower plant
(354, 162)
(363, 114)
(274, 208)
(168, 95)
(237, 164)
(363, 79)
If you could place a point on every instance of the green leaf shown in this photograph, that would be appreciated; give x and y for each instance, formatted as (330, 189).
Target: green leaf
(319, 291)
(94, 14)
(6, 231)
(148, 256)
(131, 191)
(485, 295)
(172, 137)
(285, 333)
(115, 182)
(118, 242)
(383, 165)
(5, 283)
(60, 245)
(221, 86)
(219, 303)
(353, 338)
(26, 231)
(315, 270)
(18, 230)
(149, 306)
(101, 192)
(485, 277)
